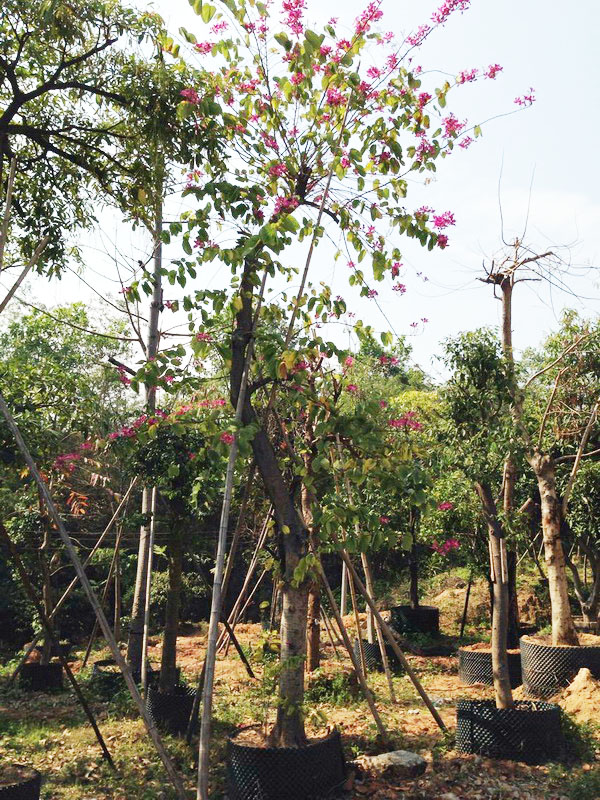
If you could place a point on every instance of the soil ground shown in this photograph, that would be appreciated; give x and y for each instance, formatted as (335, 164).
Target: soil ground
(48, 731)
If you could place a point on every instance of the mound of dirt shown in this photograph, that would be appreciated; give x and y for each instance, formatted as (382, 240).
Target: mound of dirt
(581, 698)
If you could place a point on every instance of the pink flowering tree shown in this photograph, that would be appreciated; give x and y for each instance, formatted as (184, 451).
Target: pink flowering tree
(324, 131)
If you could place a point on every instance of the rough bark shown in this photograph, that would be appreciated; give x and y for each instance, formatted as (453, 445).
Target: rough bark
(313, 629)
(168, 664)
(563, 629)
(499, 578)
(292, 539)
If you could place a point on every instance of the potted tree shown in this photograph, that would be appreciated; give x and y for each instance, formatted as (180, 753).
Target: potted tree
(311, 139)
(478, 398)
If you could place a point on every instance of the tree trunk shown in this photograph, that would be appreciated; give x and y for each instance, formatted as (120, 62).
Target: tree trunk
(563, 629)
(499, 578)
(313, 629)
(292, 537)
(168, 664)
(414, 563)
(136, 625)
(512, 633)
(46, 594)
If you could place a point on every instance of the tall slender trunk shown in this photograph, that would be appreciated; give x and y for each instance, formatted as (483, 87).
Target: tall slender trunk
(563, 629)
(414, 563)
(47, 593)
(292, 537)
(136, 626)
(499, 579)
(168, 664)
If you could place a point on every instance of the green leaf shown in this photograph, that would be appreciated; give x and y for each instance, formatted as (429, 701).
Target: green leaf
(208, 13)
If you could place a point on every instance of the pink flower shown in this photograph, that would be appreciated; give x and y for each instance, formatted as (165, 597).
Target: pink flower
(419, 36)
(441, 15)
(527, 99)
(374, 72)
(285, 204)
(204, 47)
(372, 293)
(349, 361)
(423, 99)
(371, 14)
(396, 269)
(384, 520)
(442, 241)
(446, 506)
(324, 50)
(492, 71)
(465, 142)
(227, 438)
(203, 337)
(168, 379)
(383, 403)
(467, 75)
(452, 127)
(399, 287)
(123, 376)
(334, 97)
(444, 220)
(191, 95)
(352, 388)
(293, 10)
(278, 170)
(297, 78)
(344, 162)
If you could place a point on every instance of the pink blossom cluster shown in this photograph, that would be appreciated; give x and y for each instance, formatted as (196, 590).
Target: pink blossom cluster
(399, 287)
(443, 220)
(419, 35)
(465, 142)
(408, 422)
(467, 76)
(335, 97)
(297, 78)
(227, 438)
(372, 293)
(204, 47)
(278, 170)
(285, 204)
(526, 99)
(446, 547)
(391, 360)
(219, 26)
(492, 71)
(191, 95)
(270, 141)
(442, 241)
(445, 506)
(371, 14)
(352, 388)
(123, 377)
(396, 266)
(203, 337)
(293, 10)
(452, 126)
(384, 520)
(448, 7)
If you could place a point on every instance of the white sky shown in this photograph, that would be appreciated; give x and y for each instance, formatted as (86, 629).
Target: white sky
(550, 146)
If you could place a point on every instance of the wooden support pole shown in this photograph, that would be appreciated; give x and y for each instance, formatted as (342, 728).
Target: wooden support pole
(105, 591)
(329, 633)
(91, 595)
(75, 580)
(463, 620)
(49, 628)
(348, 644)
(380, 639)
(144, 675)
(389, 635)
(359, 639)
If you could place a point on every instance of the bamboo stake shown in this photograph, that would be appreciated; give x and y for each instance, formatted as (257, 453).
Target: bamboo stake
(102, 600)
(237, 534)
(7, 209)
(50, 632)
(215, 610)
(463, 620)
(380, 640)
(73, 583)
(117, 608)
(30, 264)
(329, 634)
(359, 639)
(344, 590)
(233, 614)
(147, 597)
(348, 644)
(91, 595)
(389, 635)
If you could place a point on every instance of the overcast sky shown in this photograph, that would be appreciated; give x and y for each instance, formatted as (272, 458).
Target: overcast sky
(544, 158)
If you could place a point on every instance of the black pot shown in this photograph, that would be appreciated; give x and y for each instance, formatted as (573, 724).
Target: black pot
(171, 711)
(373, 656)
(423, 619)
(293, 773)
(25, 788)
(475, 666)
(41, 677)
(63, 649)
(546, 669)
(529, 732)
(108, 680)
